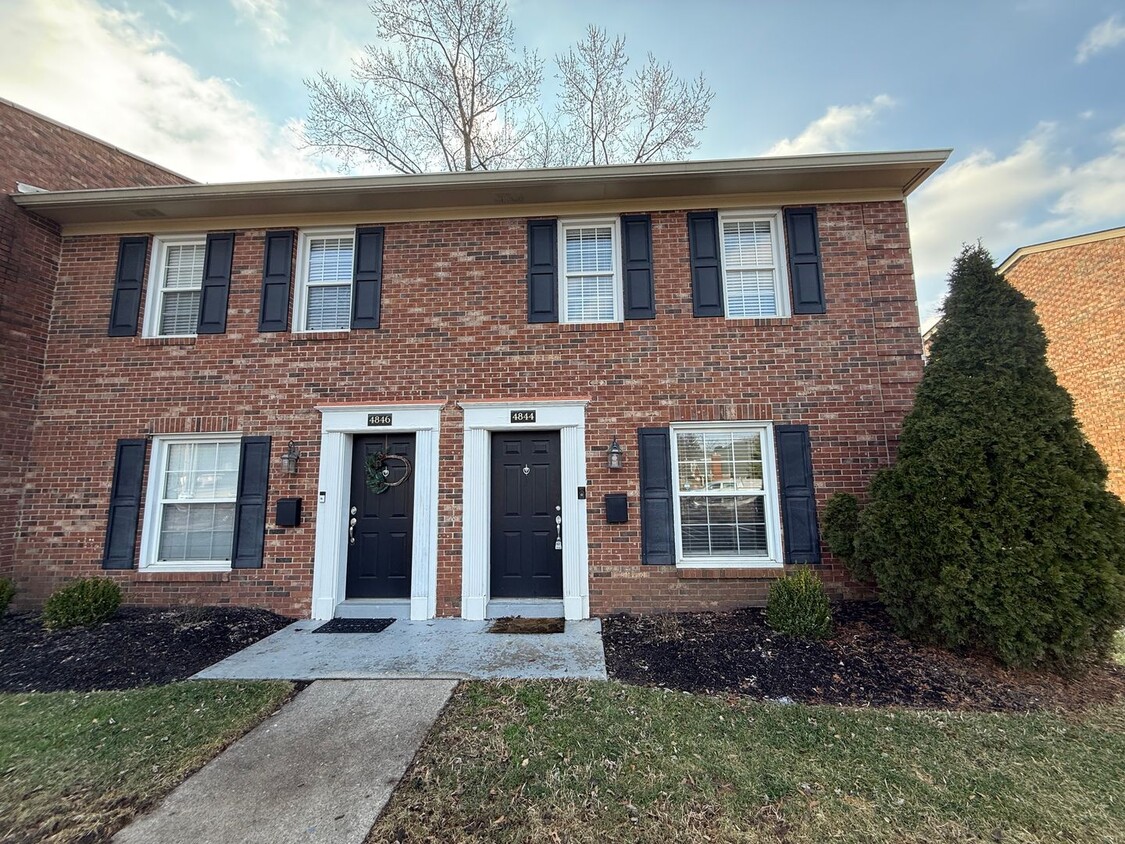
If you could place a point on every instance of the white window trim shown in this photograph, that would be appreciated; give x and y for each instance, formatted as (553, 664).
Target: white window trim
(300, 299)
(772, 496)
(154, 295)
(781, 276)
(150, 531)
(618, 286)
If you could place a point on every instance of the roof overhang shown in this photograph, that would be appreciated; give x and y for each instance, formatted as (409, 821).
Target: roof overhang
(510, 193)
(1063, 243)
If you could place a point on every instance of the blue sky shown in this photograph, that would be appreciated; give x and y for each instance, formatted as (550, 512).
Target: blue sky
(1030, 95)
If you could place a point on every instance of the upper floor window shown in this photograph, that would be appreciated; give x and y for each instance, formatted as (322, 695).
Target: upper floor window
(590, 281)
(753, 259)
(175, 286)
(325, 274)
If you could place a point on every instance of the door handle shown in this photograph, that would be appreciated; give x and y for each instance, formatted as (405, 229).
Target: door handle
(558, 531)
(351, 528)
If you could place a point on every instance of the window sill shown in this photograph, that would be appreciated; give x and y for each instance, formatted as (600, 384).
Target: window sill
(168, 341)
(185, 568)
(763, 572)
(301, 336)
(590, 326)
(761, 320)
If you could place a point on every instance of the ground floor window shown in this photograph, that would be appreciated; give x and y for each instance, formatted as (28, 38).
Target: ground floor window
(189, 520)
(726, 508)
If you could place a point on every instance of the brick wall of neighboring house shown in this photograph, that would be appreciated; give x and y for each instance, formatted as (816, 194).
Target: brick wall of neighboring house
(1079, 295)
(454, 329)
(39, 152)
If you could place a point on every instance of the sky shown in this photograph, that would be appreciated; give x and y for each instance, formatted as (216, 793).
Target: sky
(1030, 94)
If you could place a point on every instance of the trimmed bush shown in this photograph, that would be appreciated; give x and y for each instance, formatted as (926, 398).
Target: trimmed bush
(841, 521)
(994, 530)
(798, 606)
(82, 602)
(7, 592)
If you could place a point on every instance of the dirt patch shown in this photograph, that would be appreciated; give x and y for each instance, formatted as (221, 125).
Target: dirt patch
(139, 646)
(864, 664)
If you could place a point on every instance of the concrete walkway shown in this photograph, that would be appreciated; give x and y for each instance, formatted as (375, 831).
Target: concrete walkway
(443, 647)
(320, 771)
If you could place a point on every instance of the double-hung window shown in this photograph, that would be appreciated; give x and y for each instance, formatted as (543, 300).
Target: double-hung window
(753, 256)
(189, 517)
(175, 287)
(325, 272)
(590, 281)
(726, 508)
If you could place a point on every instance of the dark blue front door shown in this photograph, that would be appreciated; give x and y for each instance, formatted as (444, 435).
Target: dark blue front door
(380, 542)
(526, 558)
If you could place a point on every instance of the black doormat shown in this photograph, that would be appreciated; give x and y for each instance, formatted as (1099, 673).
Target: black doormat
(519, 624)
(355, 625)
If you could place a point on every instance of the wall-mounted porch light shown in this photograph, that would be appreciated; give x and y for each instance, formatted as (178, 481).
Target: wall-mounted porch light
(289, 459)
(614, 460)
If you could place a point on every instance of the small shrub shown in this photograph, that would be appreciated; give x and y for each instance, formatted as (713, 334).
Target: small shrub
(7, 592)
(798, 606)
(841, 521)
(85, 602)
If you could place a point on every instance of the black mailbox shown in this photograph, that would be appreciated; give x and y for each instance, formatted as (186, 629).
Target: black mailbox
(616, 508)
(288, 512)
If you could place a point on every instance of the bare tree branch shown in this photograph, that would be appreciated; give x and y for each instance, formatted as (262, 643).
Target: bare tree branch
(445, 88)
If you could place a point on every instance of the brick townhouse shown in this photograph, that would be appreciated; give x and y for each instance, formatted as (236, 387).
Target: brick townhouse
(38, 152)
(1078, 286)
(568, 391)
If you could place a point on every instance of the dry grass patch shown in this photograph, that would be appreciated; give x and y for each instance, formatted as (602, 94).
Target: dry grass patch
(77, 766)
(596, 762)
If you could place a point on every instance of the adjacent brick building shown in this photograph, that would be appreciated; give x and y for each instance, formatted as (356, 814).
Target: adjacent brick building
(38, 152)
(1078, 286)
(412, 394)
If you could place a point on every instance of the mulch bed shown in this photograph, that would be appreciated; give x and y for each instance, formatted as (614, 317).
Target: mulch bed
(138, 646)
(864, 664)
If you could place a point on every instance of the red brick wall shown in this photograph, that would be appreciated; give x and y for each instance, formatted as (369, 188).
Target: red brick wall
(454, 317)
(1079, 295)
(38, 152)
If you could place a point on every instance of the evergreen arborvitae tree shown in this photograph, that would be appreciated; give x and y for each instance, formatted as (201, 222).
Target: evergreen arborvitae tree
(994, 529)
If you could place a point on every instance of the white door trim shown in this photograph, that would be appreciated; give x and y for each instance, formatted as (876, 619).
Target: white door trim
(481, 419)
(339, 423)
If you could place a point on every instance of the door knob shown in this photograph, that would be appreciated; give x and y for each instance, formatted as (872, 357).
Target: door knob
(351, 531)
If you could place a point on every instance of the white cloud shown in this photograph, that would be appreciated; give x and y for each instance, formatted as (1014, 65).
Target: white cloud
(834, 130)
(1105, 36)
(267, 15)
(104, 72)
(1001, 201)
(177, 15)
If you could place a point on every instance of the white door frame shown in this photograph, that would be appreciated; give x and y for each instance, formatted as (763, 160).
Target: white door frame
(339, 424)
(481, 419)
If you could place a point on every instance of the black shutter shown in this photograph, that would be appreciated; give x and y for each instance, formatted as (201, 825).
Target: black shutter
(277, 273)
(706, 274)
(216, 284)
(798, 499)
(124, 504)
(126, 307)
(805, 274)
(367, 289)
(250, 506)
(542, 271)
(636, 237)
(657, 545)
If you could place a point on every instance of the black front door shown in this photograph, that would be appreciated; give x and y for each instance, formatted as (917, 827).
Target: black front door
(526, 559)
(380, 538)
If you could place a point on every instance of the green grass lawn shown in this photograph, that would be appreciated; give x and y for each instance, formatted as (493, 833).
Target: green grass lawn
(77, 766)
(590, 762)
